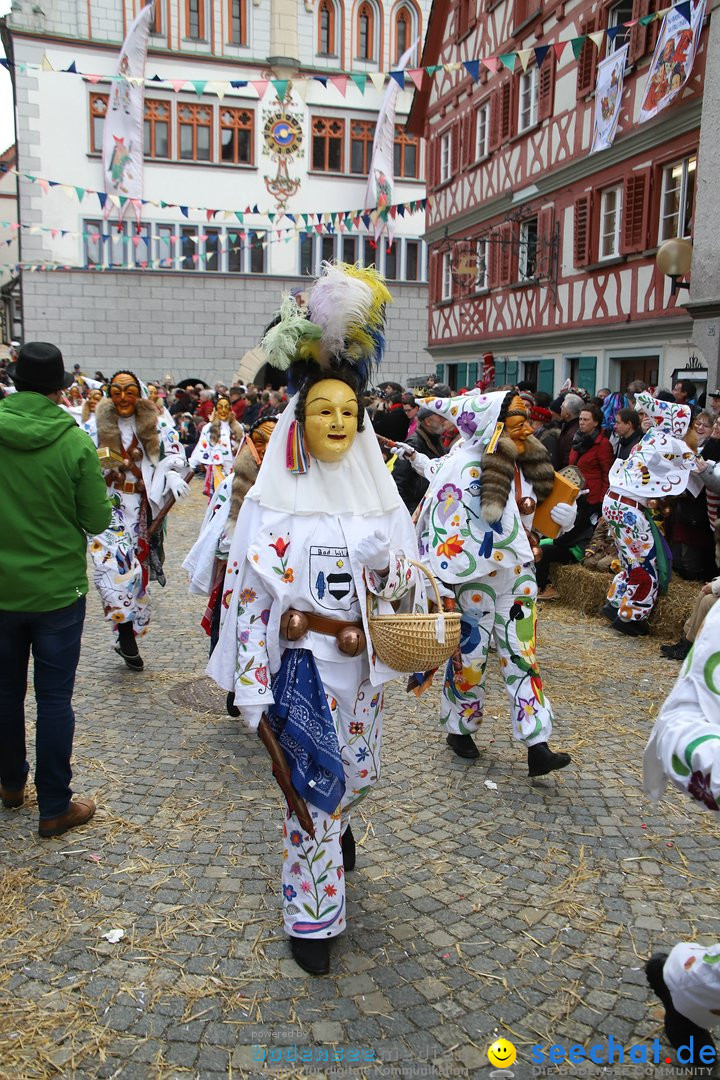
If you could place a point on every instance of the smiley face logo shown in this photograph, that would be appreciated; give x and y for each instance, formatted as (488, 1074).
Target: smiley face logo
(502, 1053)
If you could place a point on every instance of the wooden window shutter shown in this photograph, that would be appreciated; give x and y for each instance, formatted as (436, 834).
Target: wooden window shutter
(467, 150)
(639, 33)
(455, 135)
(587, 62)
(583, 230)
(505, 255)
(636, 200)
(546, 224)
(506, 96)
(546, 87)
(546, 376)
(495, 115)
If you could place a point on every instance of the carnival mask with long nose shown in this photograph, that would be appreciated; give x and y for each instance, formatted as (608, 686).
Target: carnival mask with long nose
(331, 419)
(124, 392)
(517, 423)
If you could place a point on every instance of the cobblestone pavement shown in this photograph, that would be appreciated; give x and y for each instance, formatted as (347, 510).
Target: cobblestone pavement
(483, 904)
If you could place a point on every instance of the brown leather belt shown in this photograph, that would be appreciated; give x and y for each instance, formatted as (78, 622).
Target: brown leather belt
(321, 624)
(627, 500)
(129, 487)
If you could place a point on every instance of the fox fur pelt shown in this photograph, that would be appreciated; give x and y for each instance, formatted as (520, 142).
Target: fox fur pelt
(498, 471)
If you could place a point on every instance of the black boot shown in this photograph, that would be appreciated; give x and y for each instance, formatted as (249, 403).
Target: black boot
(542, 760)
(127, 647)
(347, 842)
(678, 651)
(608, 611)
(312, 954)
(632, 629)
(463, 746)
(678, 1028)
(230, 707)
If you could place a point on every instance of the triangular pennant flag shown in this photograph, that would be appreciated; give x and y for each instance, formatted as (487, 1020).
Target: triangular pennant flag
(377, 78)
(366, 220)
(416, 74)
(72, 69)
(94, 79)
(508, 60)
(613, 31)
(102, 197)
(645, 20)
(184, 210)
(199, 85)
(280, 86)
(559, 49)
(46, 64)
(684, 9)
(301, 87)
(255, 209)
(491, 63)
(577, 45)
(472, 67)
(399, 77)
(240, 216)
(260, 86)
(322, 79)
(597, 38)
(525, 56)
(339, 82)
(44, 185)
(218, 88)
(541, 52)
(5, 63)
(432, 68)
(177, 84)
(238, 83)
(155, 78)
(360, 81)
(80, 193)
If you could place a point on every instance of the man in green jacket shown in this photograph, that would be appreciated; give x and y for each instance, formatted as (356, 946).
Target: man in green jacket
(53, 493)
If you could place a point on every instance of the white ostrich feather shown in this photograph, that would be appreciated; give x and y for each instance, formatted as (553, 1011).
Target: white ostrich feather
(336, 303)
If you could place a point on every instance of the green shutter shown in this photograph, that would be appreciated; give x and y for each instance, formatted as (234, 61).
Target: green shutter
(462, 370)
(512, 371)
(546, 376)
(587, 373)
(472, 375)
(440, 372)
(500, 372)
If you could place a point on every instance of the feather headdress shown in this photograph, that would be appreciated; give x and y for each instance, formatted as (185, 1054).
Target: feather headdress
(349, 303)
(289, 337)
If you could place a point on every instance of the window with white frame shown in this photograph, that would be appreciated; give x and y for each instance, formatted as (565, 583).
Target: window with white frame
(445, 277)
(610, 221)
(482, 131)
(413, 260)
(527, 249)
(482, 264)
(677, 199)
(618, 15)
(528, 99)
(445, 155)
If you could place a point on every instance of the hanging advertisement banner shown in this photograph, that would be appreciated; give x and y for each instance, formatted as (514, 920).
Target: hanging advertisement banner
(608, 95)
(673, 59)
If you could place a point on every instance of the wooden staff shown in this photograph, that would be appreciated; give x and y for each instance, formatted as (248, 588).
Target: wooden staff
(162, 514)
(281, 772)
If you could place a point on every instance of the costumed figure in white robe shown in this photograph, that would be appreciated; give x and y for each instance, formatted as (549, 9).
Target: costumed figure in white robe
(75, 403)
(474, 527)
(322, 527)
(143, 474)
(154, 395)
(217, 446)
(206, 561)
(660, 465)
(88, 420)
(684, 747)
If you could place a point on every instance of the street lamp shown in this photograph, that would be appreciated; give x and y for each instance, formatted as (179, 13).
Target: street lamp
(673, 259)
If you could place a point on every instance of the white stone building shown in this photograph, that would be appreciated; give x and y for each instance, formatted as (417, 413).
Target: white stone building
(212, 282)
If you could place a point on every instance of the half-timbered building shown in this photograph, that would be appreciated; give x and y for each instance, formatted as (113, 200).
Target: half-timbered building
(542, 255)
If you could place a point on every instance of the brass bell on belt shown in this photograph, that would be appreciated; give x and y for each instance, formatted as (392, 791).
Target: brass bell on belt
(526, 505)
(293, 625)
(351, 640)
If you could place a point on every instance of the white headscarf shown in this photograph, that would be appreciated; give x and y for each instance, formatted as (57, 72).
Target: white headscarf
(359, 483)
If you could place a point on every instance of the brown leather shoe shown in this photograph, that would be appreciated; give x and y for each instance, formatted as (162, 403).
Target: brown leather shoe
(11, 800)
(78, 812)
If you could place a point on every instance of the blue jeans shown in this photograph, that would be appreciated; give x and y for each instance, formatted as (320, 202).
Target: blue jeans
(54, 637)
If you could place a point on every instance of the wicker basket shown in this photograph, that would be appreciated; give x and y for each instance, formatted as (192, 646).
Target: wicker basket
(409, 642)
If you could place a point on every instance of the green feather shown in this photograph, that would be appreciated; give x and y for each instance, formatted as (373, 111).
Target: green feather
(282, 341)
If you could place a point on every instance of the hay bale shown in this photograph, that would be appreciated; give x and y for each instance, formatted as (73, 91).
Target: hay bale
(586, 590)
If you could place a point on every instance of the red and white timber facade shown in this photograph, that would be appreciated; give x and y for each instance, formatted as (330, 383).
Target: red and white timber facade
(540, 253)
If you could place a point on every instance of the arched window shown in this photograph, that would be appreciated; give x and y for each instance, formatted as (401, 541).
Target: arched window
(402, 32)
(366, 32)
(156, 24)
(405, 29)
(326, 28)
(237, 22)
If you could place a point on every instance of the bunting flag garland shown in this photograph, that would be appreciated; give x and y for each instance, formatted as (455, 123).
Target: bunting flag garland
(342, 82)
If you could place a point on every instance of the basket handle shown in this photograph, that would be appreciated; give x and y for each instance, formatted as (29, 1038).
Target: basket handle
(429, 574)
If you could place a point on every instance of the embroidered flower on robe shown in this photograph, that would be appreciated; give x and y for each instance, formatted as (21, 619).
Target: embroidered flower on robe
(451, 547)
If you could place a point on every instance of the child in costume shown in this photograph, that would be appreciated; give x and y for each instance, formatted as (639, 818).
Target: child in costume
(322, 527)
(474, 533)
(139, 484)
(684, 747)
(88, 420)
(660, 465)
(217, 446)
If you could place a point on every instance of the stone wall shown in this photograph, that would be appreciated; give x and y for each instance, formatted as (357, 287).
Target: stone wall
(185, 323)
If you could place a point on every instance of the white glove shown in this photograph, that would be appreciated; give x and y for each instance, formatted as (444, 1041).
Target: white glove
(404, 450)
(252, 715)
(177, 485)
(564, 514)
(374, 551)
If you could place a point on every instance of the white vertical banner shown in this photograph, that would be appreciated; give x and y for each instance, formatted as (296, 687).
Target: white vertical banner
(124, 120)
(608, 96)
(381, 177)
(673, 58)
